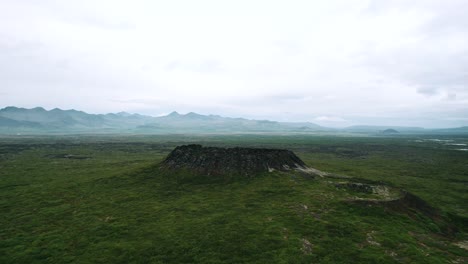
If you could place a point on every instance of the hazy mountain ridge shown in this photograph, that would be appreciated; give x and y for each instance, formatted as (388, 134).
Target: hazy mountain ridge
(38, 120)
(365, 128)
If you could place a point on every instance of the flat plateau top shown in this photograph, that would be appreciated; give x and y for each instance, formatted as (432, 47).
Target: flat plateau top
(214, 160)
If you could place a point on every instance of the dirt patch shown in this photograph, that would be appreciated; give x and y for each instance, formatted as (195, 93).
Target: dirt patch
(382, 191)
(306, 247)
(67, 156)
(371, 240)
(462, 244)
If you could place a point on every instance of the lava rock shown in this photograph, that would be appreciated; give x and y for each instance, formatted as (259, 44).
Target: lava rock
(243, 161)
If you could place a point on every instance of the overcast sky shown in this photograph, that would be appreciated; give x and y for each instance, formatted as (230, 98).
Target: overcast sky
(334, 62)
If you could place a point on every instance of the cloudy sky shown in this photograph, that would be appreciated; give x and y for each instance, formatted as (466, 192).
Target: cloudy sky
(334, 62)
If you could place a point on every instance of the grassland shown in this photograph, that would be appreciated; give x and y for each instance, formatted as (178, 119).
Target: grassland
(102, 199)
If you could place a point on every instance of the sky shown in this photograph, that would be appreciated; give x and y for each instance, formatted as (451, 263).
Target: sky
(336, 63)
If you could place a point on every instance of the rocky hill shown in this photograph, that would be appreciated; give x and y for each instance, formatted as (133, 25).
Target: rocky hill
(390, 131)
(242, 161)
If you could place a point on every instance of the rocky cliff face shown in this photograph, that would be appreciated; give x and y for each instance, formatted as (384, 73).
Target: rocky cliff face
(243, 161)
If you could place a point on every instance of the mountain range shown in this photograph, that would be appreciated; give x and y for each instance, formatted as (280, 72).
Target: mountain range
(39, 120)
(15, 120)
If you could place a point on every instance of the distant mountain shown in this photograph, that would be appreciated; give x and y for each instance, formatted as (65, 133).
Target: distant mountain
(378, 129)
(39, 120)
(193, 122)
(55, 118)
(389, 131)
(14, 120)
(7, 122)
(456, 130)
(393, 130)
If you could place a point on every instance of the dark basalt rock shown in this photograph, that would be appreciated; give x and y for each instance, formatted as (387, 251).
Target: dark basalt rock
(243, 161)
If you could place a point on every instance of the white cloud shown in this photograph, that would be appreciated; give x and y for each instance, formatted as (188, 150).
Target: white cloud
(363, 61)
(330, 119)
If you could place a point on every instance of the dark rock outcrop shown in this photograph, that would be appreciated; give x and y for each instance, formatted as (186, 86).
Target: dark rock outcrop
(242, 161)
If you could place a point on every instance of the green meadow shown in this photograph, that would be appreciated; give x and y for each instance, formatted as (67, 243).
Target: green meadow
(103, 199)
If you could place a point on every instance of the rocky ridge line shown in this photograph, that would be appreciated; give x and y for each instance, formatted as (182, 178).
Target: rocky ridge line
(242, 161)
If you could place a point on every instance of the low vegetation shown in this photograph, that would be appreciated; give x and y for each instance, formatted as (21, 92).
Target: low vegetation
(104, 199)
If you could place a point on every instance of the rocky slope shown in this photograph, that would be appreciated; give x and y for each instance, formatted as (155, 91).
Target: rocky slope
(243, 161)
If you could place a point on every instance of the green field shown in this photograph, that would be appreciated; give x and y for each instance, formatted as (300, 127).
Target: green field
(102, 199)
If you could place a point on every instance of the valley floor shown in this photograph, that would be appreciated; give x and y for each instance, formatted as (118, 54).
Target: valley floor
(102, 199)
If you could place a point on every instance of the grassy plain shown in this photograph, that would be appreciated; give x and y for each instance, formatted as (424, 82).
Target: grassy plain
(102, 199)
